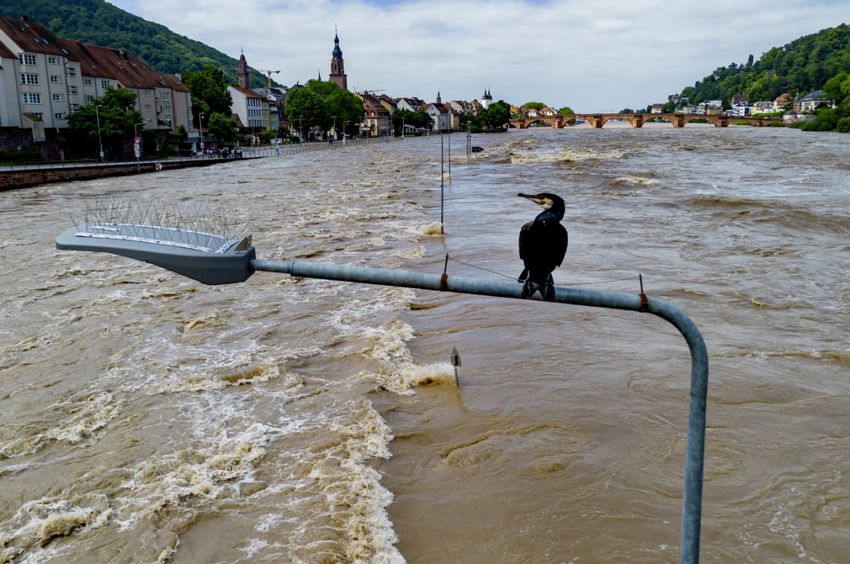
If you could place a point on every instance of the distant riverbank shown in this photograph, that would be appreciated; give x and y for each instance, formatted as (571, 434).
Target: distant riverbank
(14, 177)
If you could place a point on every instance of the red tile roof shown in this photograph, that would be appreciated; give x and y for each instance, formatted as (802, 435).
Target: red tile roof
(130, 71)
(247, 92)
(33, 37)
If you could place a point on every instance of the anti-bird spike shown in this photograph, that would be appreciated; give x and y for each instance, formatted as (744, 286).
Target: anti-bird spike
(163, 236)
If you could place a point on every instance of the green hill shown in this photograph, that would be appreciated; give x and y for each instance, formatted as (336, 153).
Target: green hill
(799, 67)
(100, 23)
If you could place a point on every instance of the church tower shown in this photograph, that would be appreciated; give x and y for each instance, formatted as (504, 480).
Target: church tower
(243, 71)
(337, 75)
(487, 99)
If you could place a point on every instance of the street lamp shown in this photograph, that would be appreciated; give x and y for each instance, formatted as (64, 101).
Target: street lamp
(137, 148)
(99, 141)
(201, 128)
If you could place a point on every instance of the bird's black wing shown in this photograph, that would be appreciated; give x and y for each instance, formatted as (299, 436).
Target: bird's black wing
(529, 241)
(560, 240)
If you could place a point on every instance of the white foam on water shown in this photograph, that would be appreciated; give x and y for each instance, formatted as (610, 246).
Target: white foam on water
(636, 180)
(434, 229)
(168, 482)
(87, 417)
(564, 155)
(38, 522)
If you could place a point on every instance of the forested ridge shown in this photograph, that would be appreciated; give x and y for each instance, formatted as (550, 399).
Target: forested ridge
(101, 23)
(799, 67)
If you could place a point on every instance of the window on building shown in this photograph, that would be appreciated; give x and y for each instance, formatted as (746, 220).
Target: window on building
(72, 90)
(32, 98)
(52, 60)
(166, 96)
(88, 81)
(55, 79)
(58, 115)
(72, 71)
(29, 78)
(27, 59)
(38, 115)
(104, 84)
(166, 108)
(147, 92)
(57, 97)
(148, 107)
(89, 98)
(74, 107)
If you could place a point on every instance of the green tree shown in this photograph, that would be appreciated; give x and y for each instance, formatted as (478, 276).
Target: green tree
(222, 128)
(322, 104)
(110, 119)
(566, 111)
(826, 119)
(494, 118)
(419, 120)
(209, 92)
(533, 106)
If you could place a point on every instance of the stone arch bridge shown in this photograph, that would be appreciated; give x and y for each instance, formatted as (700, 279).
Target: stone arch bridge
(637, 120)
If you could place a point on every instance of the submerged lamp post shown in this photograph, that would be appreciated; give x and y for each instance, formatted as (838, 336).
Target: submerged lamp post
(224, 259)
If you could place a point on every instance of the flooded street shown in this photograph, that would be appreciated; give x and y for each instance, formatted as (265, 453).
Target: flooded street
(145, 417)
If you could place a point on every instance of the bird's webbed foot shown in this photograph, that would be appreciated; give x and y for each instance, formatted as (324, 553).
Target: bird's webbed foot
(548, 291)
(523, 276)
(528, 288)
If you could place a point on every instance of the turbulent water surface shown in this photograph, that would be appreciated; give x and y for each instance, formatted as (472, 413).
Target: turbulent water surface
(145, 417)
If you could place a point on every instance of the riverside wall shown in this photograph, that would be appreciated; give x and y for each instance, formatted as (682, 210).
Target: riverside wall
(26, 177)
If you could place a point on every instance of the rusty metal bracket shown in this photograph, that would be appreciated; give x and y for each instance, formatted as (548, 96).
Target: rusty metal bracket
(644, 301)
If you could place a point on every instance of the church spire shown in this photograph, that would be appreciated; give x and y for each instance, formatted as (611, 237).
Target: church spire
(243, 71)
(338, 75)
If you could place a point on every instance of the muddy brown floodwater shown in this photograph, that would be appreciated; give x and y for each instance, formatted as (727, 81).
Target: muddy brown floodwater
(145, 417)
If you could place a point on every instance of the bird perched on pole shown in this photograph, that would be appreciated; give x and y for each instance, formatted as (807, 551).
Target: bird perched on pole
(542, 246)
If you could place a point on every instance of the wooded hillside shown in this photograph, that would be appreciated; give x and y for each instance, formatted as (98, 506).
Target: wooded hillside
(799, 67)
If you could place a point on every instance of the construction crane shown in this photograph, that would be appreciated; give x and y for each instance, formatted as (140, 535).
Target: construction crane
(270, 73)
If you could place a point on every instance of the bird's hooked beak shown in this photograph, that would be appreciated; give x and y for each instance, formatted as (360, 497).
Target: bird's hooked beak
(545, 202)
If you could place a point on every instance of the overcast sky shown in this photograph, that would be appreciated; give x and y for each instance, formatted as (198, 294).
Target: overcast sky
(602, 56)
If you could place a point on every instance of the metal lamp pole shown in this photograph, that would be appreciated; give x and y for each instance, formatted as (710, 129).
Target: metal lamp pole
(201, 128)
(137, 147)
(99, 140)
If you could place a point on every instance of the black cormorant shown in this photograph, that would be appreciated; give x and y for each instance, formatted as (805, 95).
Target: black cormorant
(542, 246)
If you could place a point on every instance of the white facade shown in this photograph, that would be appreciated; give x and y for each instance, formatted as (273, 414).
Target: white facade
(248, 105)
(741, 110)
(44, 86)
(441, 118)
(762, 107)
